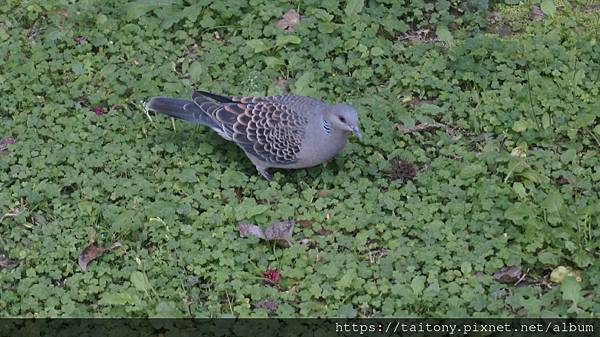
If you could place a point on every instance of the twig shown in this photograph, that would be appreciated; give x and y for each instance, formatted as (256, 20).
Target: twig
(521, 278)
(423, 127)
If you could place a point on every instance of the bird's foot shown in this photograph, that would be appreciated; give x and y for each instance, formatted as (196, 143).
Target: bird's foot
(263, 172)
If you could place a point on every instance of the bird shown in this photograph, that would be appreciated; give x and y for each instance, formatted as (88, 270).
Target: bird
(288, 132)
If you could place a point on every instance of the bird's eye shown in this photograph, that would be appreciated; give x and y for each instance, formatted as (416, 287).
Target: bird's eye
(342, 119)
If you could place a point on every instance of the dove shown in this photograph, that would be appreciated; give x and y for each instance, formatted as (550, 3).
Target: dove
(288, 132)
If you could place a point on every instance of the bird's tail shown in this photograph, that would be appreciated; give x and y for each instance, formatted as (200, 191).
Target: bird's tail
(181, 109)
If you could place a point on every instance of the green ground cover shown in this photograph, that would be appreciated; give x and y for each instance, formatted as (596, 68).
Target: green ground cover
(481, 152)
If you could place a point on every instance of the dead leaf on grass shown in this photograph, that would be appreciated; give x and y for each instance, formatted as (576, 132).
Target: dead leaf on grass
(289, 20)
(4, 145)
(269, 305)
(92, 252)
(281, 232)
(247, 230)
(402, 169)
(420, 127)
(510, 274)
(536, 13)
(282, 83)
(6, 263)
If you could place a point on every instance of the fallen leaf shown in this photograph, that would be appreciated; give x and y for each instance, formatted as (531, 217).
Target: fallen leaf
(495, 17)
(536, 13)
(282, 83)
(559, 273)
(591, 8)
(4, 145)
(402, 169)
(421, 127)
(6, 263)
(38, 219)
(519, 151)
(510, 274)
(322, 194)
(418, 36)
(251, 230)
(323, 232)
(305, 223)
(281, 232)
(269, 305)
(92, 252)
(290, 19)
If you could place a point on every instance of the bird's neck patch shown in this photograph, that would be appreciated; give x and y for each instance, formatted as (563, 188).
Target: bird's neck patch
(326, 126)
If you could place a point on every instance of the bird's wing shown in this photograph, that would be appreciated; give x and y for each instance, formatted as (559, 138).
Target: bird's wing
(268, 128)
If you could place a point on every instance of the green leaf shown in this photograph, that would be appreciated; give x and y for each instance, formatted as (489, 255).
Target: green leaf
(139, 8)
(522, 125)
(139, 281)
(166, 309)
(376, 51)
(346, 280)
(548, 258)
(196, 70)
(273, 62)
(346, 310)
(571, 291)
(121, 298)
(207, 22)
(188, 175)
(327, 27)
(444, 35)
(256, 210)
(548, 7)
(418, 284)
(553, 202)
(258, 45)
(466, 268)
(519, 189)
(302, 84)
(282, 40)
(353, 7)
(78, 68)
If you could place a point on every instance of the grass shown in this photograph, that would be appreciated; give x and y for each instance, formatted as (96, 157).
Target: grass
(474, 193)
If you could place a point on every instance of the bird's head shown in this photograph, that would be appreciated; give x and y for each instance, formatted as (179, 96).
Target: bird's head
(344, 117)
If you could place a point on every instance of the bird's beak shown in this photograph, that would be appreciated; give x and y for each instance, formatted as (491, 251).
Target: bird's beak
(356, 132)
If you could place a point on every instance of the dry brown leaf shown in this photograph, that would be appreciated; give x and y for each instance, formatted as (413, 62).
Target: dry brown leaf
(322, 194)
(592, 8)
(247, 230)
(510, 274)
(4, 145)
(402, 169)
(92, 252)
(281, 232)
(324, 232)
(282, 83)
(290, 19)
(420, 127)
(536, 13)
(418, 36)
(269, 305)
(6, 263)
(305, 223)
